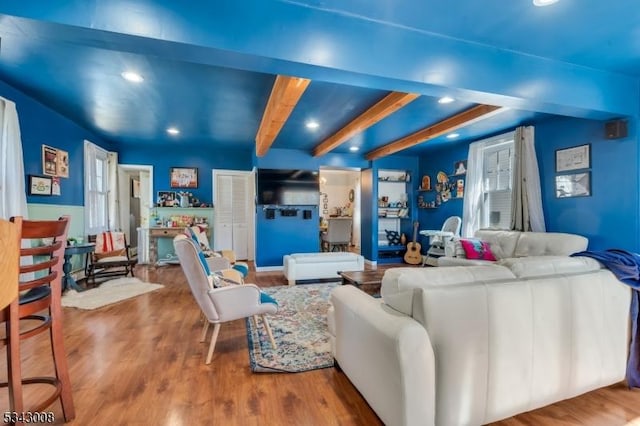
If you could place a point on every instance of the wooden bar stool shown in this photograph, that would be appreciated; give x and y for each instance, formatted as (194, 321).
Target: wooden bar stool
(39, 308)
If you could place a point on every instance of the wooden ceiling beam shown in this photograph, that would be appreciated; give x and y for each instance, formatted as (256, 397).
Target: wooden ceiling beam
(383, 108)
(285, 94)
(447, 125)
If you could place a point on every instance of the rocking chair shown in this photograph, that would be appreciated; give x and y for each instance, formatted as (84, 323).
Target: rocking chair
(111, 258)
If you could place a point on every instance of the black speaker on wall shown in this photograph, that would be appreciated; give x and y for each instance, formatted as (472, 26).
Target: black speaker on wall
(615, 129)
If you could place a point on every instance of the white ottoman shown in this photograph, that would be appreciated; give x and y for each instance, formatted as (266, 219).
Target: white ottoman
(310, 266)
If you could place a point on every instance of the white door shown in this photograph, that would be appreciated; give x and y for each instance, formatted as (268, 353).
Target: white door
(233, 217)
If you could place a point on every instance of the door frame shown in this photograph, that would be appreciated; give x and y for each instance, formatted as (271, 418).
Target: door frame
(251, 198)
(123, 195)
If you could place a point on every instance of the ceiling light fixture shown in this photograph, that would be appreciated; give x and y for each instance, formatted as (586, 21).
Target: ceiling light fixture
(541, 3)
(453, 135)
(354, 148)
(173, 131)
(445, 100)
(312, 124)
(131, 76)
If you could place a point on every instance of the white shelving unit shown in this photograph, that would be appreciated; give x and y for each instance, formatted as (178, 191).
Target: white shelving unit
(393, 208)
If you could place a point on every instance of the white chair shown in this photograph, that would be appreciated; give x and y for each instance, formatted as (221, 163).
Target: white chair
(338, 235)
(221, 303)
(438, 238)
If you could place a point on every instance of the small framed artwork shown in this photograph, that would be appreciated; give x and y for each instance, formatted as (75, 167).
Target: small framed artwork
(574, 158)
(184, 177)
(135, 188)
(49, 161)
(166, 198)
(573, 185)
(460, 167)
(62, 165)
(55, 185)
(39, 185)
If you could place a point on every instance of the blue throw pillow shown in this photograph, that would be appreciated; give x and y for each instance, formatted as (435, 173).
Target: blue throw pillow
(203, 261)
(242, 268)
(265, 298)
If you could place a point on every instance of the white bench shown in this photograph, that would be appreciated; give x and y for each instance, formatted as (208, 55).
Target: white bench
(309, 266)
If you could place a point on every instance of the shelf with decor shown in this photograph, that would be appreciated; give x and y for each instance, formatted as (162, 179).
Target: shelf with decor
(394, 192)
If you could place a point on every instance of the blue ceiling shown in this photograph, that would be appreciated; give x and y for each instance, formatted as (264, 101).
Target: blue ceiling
(208, 67)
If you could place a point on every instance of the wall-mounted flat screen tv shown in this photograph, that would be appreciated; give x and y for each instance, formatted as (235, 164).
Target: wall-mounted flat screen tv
(288, 187)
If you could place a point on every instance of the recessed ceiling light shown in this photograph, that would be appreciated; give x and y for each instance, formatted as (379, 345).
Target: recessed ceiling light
(132, 76)
(354, 148)
(445, 100)
(453, 135)
(173, 131)
(312, 124)
(541, 3)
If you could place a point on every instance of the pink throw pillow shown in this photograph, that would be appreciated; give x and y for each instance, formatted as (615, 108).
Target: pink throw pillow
(477, 249)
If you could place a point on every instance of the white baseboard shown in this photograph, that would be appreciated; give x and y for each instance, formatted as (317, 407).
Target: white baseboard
(269, 268)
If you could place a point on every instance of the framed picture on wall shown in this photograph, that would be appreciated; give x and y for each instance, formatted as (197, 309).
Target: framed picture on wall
(573, 185)
(574, 158)
(49, 161)
(62, 165)
(184, 177)
(39, 185)
(460, 167)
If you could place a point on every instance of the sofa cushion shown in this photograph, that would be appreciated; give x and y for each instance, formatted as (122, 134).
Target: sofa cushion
(538, 266)
(453, 248)
(502, 243)
(399, 285)
(476, 249)
(549, 243)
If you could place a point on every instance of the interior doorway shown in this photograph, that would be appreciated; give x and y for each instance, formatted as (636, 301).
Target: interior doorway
(340, 196)
(135, 201)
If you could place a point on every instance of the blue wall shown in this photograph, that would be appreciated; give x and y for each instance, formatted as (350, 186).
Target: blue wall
(203, 157)
(39, 126)
(285, 235)
(442, 159)
(609, 218)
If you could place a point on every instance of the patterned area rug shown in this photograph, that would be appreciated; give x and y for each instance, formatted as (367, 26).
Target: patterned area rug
(107, 293)
(299, 328)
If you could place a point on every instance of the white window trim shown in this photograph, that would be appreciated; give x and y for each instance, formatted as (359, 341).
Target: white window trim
(93, 153)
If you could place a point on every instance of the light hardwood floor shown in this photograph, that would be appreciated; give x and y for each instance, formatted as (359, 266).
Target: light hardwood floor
(139, 362)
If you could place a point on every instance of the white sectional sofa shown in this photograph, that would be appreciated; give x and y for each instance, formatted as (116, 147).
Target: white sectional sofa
(309, 266)
(510, 244)
(475, 344)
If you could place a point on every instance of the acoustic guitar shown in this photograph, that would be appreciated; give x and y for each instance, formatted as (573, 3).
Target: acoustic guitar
(413, 256)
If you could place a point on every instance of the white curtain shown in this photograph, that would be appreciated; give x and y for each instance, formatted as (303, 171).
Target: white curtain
(13, 197)
(526, 198)
(112, 191)
(471, 212)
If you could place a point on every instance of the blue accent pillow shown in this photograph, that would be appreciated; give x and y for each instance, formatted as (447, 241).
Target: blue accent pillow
(243, 269)
(203, 261)
(265, 298)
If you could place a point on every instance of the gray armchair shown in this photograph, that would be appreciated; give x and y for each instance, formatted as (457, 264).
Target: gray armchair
(338, 234)
(219, 302)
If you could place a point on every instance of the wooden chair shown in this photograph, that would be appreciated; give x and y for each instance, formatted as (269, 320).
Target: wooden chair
(111, 258)
(38, 309)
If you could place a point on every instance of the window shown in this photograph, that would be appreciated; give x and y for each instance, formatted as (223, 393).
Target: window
(487, 198)
(497, 166)
(96, 189)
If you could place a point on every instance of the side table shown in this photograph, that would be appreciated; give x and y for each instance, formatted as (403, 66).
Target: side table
(368, 281)
(70, 251)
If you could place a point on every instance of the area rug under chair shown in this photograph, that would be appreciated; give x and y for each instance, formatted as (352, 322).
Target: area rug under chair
(107, 293)
(299, 328)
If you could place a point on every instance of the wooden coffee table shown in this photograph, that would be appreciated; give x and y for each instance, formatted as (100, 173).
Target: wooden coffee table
(367, 281)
